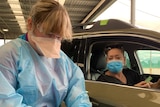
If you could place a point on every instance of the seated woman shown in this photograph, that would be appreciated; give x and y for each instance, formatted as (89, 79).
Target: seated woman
(116, 72)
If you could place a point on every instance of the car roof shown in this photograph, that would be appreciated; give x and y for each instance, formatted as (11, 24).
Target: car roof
(112, 26)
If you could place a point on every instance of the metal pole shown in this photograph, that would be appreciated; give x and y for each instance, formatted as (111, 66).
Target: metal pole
(133, 12)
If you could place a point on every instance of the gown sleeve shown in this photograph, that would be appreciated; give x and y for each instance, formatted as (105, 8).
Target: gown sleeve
(77, 95)
(8, 82)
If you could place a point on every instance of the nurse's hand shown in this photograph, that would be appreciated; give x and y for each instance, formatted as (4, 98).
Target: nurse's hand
(143, 84)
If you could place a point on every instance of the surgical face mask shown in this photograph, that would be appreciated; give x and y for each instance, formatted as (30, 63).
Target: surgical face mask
(115, 66)
(49, 47)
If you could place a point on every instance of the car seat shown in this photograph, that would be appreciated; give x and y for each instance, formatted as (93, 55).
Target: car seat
(97, 64)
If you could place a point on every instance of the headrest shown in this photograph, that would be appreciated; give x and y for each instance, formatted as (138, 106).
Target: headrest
(98, 61)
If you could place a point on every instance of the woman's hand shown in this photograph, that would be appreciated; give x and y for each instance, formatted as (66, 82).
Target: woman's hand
(143, 84)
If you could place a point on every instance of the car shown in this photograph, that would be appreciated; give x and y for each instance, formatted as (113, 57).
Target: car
(142, 51)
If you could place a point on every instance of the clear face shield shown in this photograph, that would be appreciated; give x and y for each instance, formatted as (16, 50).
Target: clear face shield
(47, 44)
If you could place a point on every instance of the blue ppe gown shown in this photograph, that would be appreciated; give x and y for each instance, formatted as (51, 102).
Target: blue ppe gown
(30, 80)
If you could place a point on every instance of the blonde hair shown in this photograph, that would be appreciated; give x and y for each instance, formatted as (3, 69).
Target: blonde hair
(52, 17)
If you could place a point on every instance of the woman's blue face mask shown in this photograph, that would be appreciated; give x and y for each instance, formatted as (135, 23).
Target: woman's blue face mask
(115, 66)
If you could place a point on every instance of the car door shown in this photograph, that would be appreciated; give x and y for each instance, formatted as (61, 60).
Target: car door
(136, 46)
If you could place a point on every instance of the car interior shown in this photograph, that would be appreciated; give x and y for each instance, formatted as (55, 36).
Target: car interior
(98, 58)
(93, 62)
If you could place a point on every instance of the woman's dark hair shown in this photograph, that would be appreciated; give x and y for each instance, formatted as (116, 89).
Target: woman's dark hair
(112, 46)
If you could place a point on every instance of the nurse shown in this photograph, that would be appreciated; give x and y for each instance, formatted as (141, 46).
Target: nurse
(34, 71)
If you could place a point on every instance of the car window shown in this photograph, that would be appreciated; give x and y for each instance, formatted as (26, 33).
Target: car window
(75, 51)
(71, 49)
(150, 61)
